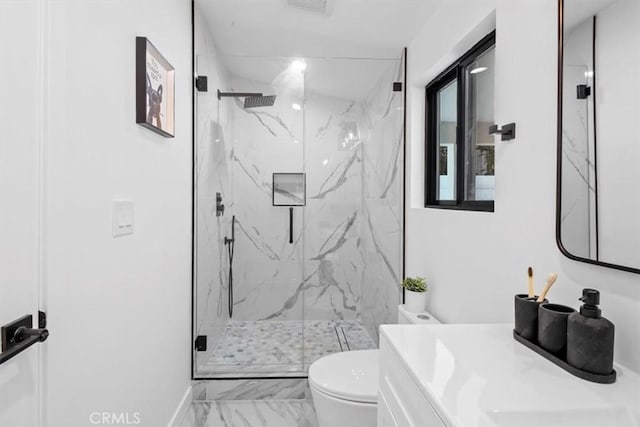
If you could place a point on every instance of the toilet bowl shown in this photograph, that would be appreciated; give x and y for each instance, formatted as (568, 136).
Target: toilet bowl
(344, 386)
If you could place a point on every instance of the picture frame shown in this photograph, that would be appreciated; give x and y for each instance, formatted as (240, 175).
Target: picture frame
(289, 189)
(155, 89)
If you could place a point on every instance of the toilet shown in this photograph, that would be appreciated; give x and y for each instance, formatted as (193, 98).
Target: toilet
(344, 386)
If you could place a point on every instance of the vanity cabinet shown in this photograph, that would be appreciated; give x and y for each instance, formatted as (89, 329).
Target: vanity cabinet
(401, 403)
(478, 376)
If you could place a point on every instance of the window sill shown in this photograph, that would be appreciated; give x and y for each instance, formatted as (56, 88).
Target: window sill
(479, 207)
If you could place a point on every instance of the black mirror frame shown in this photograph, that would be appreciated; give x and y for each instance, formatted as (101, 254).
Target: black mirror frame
(564, 251)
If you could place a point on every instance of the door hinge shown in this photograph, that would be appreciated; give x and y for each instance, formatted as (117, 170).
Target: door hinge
(584, 91)
(42, 319)
(202, 83)
(397, 86)
(201, 343)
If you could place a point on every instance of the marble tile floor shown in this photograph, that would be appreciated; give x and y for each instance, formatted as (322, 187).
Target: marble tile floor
(281, 347)
(254, 413)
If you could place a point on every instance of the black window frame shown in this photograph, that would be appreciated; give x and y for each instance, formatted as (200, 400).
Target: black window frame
(455, 72)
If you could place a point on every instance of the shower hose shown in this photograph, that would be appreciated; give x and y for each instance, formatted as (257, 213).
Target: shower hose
(230, 249)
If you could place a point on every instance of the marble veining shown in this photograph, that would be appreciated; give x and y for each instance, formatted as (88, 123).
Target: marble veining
(254, 413)
(221, 389)
(331, 183)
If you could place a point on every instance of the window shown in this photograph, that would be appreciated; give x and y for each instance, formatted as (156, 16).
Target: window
(460, 153)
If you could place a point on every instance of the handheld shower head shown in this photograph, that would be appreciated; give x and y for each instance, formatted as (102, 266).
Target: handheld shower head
(228, 240)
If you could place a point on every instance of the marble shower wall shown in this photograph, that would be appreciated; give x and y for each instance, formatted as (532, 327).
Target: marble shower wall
(333, 216)
(268, 270)
(382, 207)
(212, 174)
(345, 262)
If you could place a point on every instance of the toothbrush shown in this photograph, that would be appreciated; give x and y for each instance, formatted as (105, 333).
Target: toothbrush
(550, 281)
(532, 293)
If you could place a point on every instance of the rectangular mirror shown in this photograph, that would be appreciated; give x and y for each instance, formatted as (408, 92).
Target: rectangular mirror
(598, 201)
(289, 189)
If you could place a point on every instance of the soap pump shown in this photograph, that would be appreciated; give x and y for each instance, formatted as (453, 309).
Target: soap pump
(590, 337)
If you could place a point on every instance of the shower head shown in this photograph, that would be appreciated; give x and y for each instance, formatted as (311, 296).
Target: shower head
(251, 99)
(259, 101)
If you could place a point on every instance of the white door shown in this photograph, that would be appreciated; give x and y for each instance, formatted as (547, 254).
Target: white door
(20, 201)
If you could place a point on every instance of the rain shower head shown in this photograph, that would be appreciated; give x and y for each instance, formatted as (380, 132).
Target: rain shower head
(251, 99)
(259, 101)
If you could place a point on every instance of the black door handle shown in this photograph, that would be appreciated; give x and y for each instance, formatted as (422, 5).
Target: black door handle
(18, 336)
(23, 333)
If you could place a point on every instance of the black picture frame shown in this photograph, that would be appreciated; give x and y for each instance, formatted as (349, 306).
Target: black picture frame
(155, 89)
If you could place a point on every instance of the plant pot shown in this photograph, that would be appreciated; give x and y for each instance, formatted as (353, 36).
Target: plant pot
(415, 302)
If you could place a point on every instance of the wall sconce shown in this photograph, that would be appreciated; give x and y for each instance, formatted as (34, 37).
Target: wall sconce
(508, 131)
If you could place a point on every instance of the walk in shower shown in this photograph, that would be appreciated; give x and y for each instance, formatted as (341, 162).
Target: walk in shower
(316, 274)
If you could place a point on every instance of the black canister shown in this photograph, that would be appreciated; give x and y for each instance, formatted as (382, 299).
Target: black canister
(552, 328)
(590, 337)
(526, 316)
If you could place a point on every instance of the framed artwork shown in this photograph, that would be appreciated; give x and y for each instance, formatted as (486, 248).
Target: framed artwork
(155, 89)
(289, 189)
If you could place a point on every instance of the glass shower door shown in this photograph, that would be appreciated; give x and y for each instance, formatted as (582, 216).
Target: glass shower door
(241, 142)
(353, 220)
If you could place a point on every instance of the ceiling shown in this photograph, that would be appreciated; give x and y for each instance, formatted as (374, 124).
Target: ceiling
(350, 28)
(351, 79)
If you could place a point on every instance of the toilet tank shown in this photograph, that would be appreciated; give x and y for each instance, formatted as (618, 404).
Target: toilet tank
(405, 317)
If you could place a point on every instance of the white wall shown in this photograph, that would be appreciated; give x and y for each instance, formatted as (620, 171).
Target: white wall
(119, 308)
(478, 261)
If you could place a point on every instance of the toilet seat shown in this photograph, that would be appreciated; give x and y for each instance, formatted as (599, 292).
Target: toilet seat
(350, 375)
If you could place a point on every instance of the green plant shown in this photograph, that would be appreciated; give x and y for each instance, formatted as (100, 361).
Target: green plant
(415, 284)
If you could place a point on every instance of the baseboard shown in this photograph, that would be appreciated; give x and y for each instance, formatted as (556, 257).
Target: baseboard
(182, 408)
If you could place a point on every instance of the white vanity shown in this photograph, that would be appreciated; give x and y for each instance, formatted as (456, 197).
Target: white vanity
(479, 376)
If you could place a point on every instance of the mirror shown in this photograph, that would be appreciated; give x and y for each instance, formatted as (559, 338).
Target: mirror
(598, 200)
(289, 189)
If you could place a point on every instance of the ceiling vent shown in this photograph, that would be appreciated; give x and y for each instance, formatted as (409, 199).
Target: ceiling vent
(314, 6)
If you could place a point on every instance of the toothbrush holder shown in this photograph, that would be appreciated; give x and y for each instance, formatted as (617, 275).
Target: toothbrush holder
(552, 328)
(526, 316)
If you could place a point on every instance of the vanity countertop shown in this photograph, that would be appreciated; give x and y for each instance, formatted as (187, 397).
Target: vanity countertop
(477, 375)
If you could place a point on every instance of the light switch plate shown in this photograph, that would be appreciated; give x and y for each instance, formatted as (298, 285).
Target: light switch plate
(122, 214)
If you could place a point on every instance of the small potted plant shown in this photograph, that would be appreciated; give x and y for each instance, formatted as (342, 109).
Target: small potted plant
(415, 295)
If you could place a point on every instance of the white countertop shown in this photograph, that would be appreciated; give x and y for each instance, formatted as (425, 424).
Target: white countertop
(478, 376)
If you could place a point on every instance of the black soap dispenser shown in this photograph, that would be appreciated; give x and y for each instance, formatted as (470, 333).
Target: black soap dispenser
(590, 337)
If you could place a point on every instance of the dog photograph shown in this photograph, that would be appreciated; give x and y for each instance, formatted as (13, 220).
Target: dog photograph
(155, 89)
